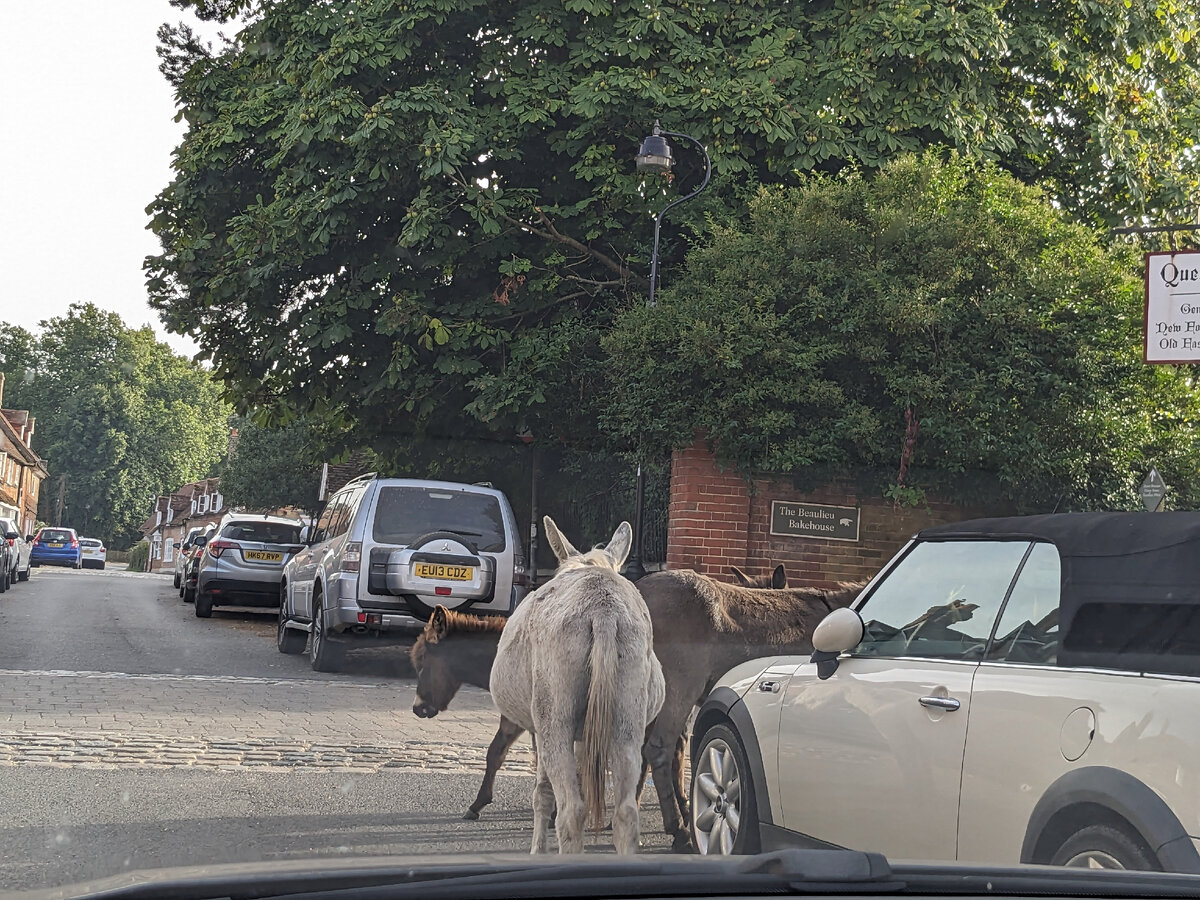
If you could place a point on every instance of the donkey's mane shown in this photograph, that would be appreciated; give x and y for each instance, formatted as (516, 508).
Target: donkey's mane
(459, 622)
(768, 612)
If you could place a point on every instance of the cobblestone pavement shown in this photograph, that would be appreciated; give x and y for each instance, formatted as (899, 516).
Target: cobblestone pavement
(119, 720)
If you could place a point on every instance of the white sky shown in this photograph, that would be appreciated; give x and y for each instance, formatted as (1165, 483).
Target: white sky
(86, 134)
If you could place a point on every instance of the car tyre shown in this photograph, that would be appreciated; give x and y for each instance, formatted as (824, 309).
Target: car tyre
(176, 579)
(3, 581)
(724, 811)
(24, 576)
(288, 640)
(324, 654)
(204, 604)
(1105, 847)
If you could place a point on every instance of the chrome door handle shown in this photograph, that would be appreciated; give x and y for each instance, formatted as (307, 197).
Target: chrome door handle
(769, 687)
(948, 704)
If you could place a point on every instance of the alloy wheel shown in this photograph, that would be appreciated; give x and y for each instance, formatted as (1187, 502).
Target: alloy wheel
(1094, 859)
(717, 811)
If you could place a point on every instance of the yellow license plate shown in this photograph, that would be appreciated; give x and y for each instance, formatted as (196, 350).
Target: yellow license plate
(55, 546)
(263, 555)
(443, 573)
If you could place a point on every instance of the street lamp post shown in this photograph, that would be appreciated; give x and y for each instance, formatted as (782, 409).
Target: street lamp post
(655, 157)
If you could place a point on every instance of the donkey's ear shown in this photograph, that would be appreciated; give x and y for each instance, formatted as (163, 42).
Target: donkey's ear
(741, 577)
(439, 625)
(779, 577)
(622, 540)
(558, 541)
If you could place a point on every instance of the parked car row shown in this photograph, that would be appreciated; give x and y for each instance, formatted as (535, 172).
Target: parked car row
(14, 555)
(51, 546)
(382, 555)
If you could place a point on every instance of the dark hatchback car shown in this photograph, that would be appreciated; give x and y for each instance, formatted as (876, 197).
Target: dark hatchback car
(56, 547)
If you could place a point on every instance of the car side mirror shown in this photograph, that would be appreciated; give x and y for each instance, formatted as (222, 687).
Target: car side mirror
(305, 534)
(28, 538)
(176, 545)
(11, 536)
(838, 632)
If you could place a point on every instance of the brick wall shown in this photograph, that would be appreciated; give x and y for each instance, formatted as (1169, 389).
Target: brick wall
(716, 521)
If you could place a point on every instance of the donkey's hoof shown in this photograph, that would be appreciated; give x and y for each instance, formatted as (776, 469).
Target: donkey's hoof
(471, 815)
(682, 843)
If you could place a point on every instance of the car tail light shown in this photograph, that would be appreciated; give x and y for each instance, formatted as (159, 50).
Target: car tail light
(351, 556)
(216, 548)
(74, 543)
(520, 575)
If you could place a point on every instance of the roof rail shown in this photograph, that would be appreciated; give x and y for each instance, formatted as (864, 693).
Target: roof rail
(365, 477)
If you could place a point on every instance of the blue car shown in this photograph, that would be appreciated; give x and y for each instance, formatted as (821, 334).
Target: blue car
(56, 547)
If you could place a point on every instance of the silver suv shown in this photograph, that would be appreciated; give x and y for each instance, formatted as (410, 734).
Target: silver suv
(387, 551)
(243, 562)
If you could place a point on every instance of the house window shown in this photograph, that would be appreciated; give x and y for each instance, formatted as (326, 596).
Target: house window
(218, 502)
(168, 549)
(158, 517)
(156, 548)
(204, 504)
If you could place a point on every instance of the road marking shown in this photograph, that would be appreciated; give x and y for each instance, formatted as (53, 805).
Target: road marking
(216, 679)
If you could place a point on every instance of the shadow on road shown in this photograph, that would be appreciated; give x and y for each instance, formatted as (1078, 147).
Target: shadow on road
(367, 657)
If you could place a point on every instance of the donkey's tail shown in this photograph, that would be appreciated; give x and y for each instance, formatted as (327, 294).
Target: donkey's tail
(598, 721)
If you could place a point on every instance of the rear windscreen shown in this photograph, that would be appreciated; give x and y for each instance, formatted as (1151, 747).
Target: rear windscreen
(86, 542)
(405, 513)
(262, 532)
(52, 534)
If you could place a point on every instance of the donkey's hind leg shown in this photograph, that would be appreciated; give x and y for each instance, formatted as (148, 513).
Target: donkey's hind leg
(556, 757)
(626, 763)
(506, 736)
(543, 808)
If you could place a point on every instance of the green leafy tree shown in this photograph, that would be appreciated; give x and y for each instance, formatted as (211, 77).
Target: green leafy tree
(120, 420)
(418, 216)
(944, 290)
(270, 468)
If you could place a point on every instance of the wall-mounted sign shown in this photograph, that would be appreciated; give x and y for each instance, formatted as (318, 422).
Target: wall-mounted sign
(1172, 307)
(814, 520)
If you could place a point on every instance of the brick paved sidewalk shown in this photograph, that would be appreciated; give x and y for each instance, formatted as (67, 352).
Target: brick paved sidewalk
(111, 719)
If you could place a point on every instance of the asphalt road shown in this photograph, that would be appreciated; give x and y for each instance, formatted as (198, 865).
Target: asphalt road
(135, 736)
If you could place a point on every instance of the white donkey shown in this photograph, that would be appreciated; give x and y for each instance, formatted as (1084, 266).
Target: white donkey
(576, 663)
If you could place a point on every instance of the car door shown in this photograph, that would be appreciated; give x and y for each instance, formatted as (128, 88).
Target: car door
(305, 569)
(1030, 720)
(871, 757)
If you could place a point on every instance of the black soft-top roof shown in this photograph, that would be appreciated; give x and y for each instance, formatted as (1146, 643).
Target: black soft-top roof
(1130, 584)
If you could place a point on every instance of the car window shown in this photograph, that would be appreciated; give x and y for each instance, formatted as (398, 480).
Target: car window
(1028, 627)
(341, 515)
(404, 513)
(941, 600)
(264, 532)
(324, 529)
(55, 534)
(89, 542)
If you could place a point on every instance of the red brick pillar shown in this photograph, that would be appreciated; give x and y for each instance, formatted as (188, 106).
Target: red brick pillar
(709, 521)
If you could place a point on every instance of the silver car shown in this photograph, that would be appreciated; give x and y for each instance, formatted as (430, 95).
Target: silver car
(243, 562)
(181, 549)
(17, 554)
(386, 552)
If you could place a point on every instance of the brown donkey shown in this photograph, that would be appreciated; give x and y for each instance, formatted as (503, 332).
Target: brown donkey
(702, 629)
(453, 650)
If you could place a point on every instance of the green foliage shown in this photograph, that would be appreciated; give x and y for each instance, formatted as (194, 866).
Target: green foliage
(274, 467)
(417, 216)
(139, 555)
(120, 418)
(942, 286)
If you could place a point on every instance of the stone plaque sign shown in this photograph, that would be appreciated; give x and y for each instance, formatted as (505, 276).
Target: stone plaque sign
(814, 520)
